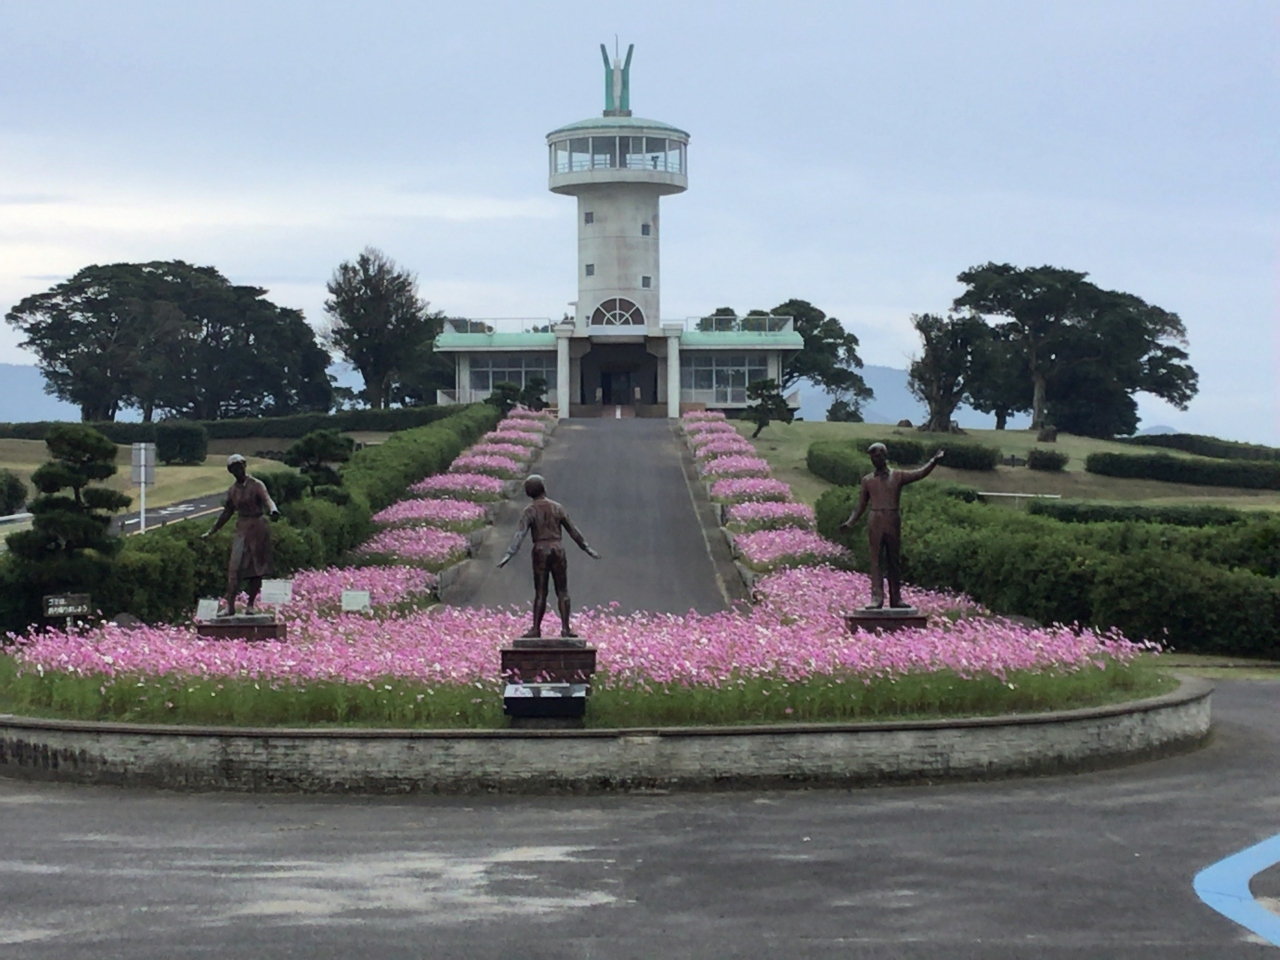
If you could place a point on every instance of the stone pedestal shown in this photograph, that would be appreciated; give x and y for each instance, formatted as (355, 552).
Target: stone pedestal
(258, 626)
(547, 681)
(885, 619)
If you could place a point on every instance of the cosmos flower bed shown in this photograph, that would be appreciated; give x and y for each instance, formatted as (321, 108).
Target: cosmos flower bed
(790, 657)
(461, 516)
(768, 515)
(735, 466)
(751, 488)
(512, 451)
(476, 487)
(724, 446)
(765, 550)
(502, 467)
(427, 546)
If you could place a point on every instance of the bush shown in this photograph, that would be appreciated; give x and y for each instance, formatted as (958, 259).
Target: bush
(285, 486)
(179, 441)
(969, 456)
(1050, 460)
(1206, 446)
(837, 462)
(906, 452)
(1252, 475)
(1088, 511)
(13, 493)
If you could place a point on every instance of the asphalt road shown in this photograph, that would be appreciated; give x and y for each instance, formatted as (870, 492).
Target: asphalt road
(1088, 866)
(624, 485)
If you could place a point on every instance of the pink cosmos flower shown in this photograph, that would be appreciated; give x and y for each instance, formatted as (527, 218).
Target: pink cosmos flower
(736, 466)
(318, 589)
(502, 467)
(458, 515)
(460, 486)
(750, 488)
(512, 451)
(694, 416)
(428, 545)
(769, 515)
(787, 547)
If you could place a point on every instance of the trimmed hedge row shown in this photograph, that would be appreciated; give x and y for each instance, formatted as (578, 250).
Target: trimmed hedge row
(1206, 446)
(298, 425)
(1087, 511)
(1252, 475)
(1048, 460)
(906, 452)
(1172, 589)
(837, 462)
(159, 575)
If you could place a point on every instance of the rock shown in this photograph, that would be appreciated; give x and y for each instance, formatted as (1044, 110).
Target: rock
(904, 423)
(1047, 434)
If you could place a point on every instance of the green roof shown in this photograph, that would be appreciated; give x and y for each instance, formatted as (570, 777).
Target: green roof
(453, 341)
(624, 123)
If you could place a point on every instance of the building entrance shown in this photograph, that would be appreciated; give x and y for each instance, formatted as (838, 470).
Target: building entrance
(619, 374)
(615, 387)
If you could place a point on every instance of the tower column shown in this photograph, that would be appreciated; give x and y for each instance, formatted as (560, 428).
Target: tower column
(564, 390)
(672, 332)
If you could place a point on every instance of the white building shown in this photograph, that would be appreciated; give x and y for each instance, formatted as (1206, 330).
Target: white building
(616, 351)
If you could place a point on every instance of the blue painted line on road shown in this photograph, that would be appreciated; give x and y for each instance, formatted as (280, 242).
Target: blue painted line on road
(1224, 886)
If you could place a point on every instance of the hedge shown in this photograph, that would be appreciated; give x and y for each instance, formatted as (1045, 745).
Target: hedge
(969, 456)
(1253, 475)
(837, 462)
(906, 452)
(1176, 586)
(1088, 511)
(179, 441)
(1206, 446)
(1049, 460)
(160, 574)
(297, 425)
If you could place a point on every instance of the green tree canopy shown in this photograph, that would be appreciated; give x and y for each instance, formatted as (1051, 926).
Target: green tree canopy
(1084, 348)
(941, 375)
(317, 455)
(999, 383)
(377, 321)
(768, 405)
(170, 337)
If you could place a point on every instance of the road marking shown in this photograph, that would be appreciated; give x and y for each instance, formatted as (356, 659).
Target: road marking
(1224, 886)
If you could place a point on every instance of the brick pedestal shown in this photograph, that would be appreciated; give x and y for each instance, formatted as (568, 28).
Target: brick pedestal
(885, 619)
(242, 628)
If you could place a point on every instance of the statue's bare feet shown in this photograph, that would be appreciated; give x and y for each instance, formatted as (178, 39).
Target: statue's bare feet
(534, 634)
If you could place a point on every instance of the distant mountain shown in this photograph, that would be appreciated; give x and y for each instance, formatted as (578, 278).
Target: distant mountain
(893, 401)
(1159, 430)
(22, 397)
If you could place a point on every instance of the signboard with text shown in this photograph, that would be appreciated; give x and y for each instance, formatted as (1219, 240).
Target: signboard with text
(67, 605)
(143, 463)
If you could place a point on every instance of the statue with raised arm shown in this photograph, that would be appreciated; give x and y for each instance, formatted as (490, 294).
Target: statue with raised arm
(545, 519)
(881, 495)
(250, 559)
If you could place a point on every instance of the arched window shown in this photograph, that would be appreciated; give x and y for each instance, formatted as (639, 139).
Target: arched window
(617, 312)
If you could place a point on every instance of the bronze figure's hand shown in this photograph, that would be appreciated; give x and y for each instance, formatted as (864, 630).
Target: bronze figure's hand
(845, 526)
(592, 553)
(275, 515)
(939, 455)
(206, 535)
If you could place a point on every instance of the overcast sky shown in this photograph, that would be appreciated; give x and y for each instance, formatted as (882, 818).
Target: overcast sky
(858, 155)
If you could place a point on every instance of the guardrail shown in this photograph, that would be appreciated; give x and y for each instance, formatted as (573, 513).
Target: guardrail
(748, 324)
(500, 324)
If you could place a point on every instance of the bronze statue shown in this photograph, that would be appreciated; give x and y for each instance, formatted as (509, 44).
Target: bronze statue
(251, 550)
(545, 518)
(882, 492)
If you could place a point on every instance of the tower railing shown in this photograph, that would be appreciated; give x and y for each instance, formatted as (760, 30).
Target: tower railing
(499, 324)
(748, 324)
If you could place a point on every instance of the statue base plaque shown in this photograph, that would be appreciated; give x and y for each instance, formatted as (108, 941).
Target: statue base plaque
(257, 626)
(547, 681)
(885, 619)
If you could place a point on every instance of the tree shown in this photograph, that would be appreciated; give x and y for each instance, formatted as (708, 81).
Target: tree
(841, 411)
(13, 493)
(505, 395)
(940, 376)
(769, 405)
(999, 383)
(829, 357)
(170, 337)
(316, 455)
(1059, 321)
(377, 320)
(68, 545)
(534, 393)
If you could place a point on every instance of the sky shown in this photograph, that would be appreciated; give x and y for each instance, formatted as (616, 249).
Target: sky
(856, 155)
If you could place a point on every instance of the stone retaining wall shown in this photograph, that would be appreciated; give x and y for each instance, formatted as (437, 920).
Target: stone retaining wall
(529, 761)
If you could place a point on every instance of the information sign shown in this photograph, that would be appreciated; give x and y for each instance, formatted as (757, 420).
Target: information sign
(206, 609)
(144, 464)
(67, 605)
(276, 592)
(355, 601)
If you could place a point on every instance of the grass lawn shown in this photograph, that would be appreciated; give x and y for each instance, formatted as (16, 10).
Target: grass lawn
(785, 447)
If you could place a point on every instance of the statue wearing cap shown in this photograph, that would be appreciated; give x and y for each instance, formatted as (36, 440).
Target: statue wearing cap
(250, 560)
(545, 518)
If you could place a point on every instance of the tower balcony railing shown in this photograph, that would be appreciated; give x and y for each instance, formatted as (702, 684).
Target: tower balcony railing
(499, 325)
(748, 324)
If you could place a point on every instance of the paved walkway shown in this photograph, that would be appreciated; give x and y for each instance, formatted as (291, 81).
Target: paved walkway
(624, 484)
(1081, 867)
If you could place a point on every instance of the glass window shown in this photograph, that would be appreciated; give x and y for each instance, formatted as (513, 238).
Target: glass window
(589, 217)
(580, 154)
(655, 153)
(674, 158)
(646, 282)
(633, 150)
(645, 230)
(560, 152)
(591, 269)
(617, 312)
(720, 378)
(517, 368)
(604, 152)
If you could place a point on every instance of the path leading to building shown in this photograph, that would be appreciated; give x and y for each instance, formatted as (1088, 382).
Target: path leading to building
(625, 485)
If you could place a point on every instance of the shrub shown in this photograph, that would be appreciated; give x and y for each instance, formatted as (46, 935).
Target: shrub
(1088, 511)
(179, 441)
(1050, 460)
(906, 452)
(1206, 446)
(1253, 475)
(317, 454)
(837, 462)
(969, 456)
(13, 493)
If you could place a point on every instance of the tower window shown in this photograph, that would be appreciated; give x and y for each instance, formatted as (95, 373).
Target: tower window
(591, 269)
(646, 282)
(589, 217)
(644, 229)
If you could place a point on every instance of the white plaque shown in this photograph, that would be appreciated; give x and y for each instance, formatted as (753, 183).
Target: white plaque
(143, 464)
(206, 609)
(276, 592)
(355, 601)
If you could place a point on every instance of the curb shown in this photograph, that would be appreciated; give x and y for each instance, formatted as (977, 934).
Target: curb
(327, 760)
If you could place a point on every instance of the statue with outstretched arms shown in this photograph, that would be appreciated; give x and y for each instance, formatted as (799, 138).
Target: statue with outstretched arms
(880, 498)
(545, 519)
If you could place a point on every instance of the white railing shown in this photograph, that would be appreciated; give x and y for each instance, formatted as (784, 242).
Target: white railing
(499, 324)
(767, 324)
